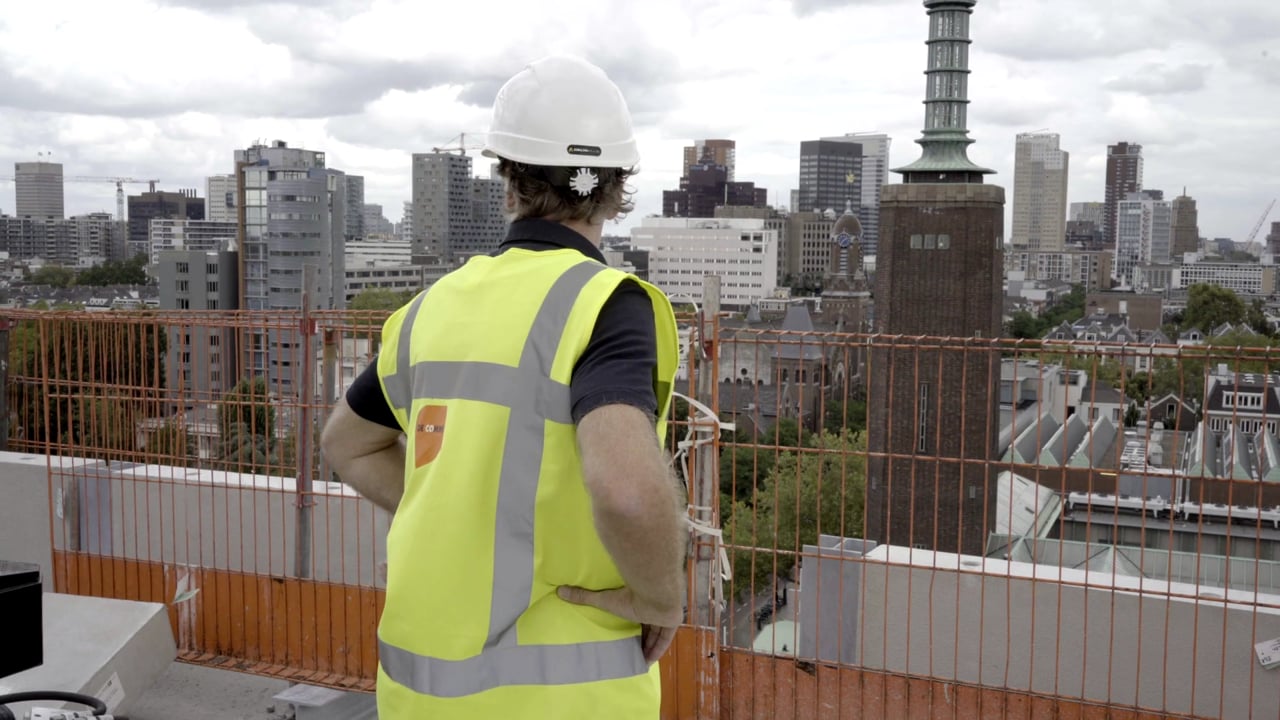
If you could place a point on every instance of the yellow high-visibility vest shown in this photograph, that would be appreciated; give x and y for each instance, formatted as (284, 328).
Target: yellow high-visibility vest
(495, 515)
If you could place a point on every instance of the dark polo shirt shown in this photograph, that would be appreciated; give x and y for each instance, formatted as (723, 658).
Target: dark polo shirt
(619, 364)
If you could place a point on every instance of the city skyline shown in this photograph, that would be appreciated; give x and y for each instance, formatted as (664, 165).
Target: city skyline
(357, 86)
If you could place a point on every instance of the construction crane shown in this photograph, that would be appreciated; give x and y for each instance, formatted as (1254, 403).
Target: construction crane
(461, 145)
(1253, 236)
(120, 182)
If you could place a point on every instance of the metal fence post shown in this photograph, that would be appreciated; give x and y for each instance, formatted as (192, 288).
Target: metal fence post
(706, 478)
(306, 398)
(328, 382)
(706, 493)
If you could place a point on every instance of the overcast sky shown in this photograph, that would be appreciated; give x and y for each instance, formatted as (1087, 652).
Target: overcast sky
(169, 89)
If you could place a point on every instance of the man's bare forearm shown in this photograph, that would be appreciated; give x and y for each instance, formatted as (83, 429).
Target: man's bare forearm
(378, 477)
(638, 510)
(367, 456)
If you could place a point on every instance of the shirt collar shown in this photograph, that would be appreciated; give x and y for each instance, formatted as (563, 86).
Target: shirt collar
(547, 232)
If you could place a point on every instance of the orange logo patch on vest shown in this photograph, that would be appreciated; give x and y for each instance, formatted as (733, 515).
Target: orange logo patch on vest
(428, 434)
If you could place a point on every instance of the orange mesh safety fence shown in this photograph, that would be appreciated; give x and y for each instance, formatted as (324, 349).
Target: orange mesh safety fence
(910, 527)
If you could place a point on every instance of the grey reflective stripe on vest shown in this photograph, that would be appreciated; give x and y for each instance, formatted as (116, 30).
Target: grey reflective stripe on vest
(520, 665)
(533, 398)
(399, 385)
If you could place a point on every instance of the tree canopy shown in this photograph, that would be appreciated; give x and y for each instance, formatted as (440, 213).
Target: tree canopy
(816, 489)
(1209, 306)
(88, 382)
(129, 272)
(247, 429)
(54, 275)
(1184, 375)
(1068, 308)
(381, 299)
(172, 442)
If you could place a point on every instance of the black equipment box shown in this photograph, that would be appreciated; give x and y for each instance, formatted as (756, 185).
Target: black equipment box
(21, 598)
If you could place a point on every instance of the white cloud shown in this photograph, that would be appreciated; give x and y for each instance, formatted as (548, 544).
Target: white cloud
(1155, 79)
(170, 88)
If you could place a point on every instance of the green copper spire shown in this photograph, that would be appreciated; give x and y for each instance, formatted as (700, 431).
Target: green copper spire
(946, 134)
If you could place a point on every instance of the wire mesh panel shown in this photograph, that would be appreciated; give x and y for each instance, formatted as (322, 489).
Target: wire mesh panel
(915, 523)
(880, 526)
(184, 469)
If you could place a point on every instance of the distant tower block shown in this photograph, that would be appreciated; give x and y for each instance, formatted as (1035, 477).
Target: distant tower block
(939, 272)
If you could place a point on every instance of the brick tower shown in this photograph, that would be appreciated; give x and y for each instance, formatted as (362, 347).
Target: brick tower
(934, 404)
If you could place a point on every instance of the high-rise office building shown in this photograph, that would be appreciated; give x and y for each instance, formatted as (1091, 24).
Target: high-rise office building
(148, 206)
(202, 361)
(1084, 229)
(874, 176)
(1186, 227)
(1085, 235)
(405, 228)
(1124, 176)
(80, 241)
(38, 190)
(934, 411)
(488, 223)
(355, 207)
(830, 175)
(220, 198)
(1039, 193)
(705, 188)
(100, 238)
(291, 243)
(454, 215)
(375, 223)
(1273, 239)
(441, 198)
(1144, 232)
(712, 152)
(1093, 212)
(50, 239)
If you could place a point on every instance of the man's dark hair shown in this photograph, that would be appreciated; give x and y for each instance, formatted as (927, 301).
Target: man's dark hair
(536, 191)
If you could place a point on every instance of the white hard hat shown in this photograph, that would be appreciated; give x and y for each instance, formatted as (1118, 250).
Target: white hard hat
(562, 112)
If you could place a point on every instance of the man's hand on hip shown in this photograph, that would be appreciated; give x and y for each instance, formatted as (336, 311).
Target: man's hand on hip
(658, 625)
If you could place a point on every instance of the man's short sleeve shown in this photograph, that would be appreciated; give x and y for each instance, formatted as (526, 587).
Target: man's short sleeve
(366, 399)
(621, 359)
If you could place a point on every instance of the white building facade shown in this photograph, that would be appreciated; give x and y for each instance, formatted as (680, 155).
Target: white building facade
(376, 276)
(220, 205)
(1144, 230)
(742, 252)
(1078, 267)
(393, 252)
(183, 234)
(1241, 278)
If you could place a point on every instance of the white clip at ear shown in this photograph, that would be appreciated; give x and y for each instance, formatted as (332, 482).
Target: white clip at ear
(584, 181)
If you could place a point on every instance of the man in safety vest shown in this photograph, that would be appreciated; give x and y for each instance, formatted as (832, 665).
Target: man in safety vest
(512, 424)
